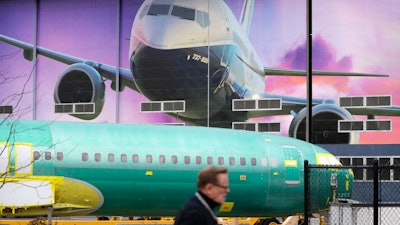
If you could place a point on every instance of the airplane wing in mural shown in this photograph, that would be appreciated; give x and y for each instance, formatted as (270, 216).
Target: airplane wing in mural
(106, 71)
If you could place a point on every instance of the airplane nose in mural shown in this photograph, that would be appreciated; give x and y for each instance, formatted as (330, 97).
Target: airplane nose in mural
(154, 37)
(175, 77)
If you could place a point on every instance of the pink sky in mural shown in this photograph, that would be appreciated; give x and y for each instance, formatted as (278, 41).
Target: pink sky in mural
(354, 36)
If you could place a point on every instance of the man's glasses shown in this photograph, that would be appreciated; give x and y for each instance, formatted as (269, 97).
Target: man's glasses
(222, 186)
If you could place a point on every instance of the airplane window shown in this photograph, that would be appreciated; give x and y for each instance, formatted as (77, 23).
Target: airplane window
(149, 158)
(85, 157)
(199, 18)
(135, 158)
(161, 159)
(144, 12)
(264, 162)
(242, 161)
(36, 155)
(97, 157)
(221, 161)
(184, 13)
(210, 160)
(253, 161)
(111, 157)
(174, 159)
(231, 161)
(47, 155)
(158, 10)
(198, 160)
(274, 162)
(206, 19)
(202, 19)
(124, 158)
(60, 156)
(187, 159)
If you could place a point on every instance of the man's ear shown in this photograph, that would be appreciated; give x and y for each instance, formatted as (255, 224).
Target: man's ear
(208, 188)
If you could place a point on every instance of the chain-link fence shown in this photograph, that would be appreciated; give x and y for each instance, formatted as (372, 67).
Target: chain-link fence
(375, 195)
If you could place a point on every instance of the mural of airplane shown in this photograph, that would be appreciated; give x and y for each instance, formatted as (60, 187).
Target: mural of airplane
(80, 168)
(173, 46)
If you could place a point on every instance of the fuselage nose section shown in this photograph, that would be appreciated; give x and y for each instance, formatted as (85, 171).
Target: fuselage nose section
(169, 75)
(168, 32)
(181, 74)
(170, 60)
(153, 32)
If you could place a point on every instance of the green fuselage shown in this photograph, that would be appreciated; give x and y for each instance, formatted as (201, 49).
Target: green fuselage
(152, 169)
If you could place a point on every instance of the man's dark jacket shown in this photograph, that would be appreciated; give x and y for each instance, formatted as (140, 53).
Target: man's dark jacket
(193, 212)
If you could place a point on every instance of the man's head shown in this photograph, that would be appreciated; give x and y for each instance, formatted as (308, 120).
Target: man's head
(213, 182)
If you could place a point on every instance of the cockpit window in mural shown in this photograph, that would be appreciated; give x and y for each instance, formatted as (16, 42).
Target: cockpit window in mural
(187, 62)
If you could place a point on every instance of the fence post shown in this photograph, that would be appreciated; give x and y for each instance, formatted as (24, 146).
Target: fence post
(306, 191)
(376, 191)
